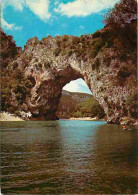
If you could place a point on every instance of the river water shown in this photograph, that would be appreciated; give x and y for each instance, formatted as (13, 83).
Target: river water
(67, 157)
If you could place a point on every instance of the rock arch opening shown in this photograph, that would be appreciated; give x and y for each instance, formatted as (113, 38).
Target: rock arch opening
(77, 101)
(78, 85)
(46, 94)
(49, 82)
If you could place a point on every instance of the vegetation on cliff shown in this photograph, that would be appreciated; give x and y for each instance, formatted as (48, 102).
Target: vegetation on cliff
(79, 105)
(13, 82)
(109, 54)
(122, 14)
(89, 108)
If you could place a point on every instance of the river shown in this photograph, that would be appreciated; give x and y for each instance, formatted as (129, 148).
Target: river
(67, 157)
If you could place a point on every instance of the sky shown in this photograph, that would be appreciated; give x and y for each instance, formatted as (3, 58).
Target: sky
(24, 19)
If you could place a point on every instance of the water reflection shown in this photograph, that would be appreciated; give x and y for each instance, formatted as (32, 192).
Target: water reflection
(67, 157)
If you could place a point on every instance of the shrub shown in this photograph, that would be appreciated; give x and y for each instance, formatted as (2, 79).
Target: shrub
(123, 57)
(16, 112)
(5, 94)
(89, 108)
(132, 105)
(110, 111)
(75, 40)
(40, 65)
(65, 38)
(105, 98)
(79, 52)
(97, 63)
(47, 65)
(121, 14)
(64, 52)
(24, 60)
(96, 34)
(77, 114)
(97, 46)
(107, 61)
(44, 40)
(30, 82)
(124, 72)
(70, 52)
(118, 106)
(57, 51)
(109, 42)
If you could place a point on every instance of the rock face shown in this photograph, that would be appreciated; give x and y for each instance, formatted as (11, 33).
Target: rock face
(106, 65)
(78, 97)
(8, 49)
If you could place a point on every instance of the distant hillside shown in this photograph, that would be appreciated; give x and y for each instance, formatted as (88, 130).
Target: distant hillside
(75, 104)
(77, 96)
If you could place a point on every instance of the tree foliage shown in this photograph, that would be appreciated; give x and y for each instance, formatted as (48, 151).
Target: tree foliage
(70, 107)
(132, 105)
(122, 14)
(89, 108)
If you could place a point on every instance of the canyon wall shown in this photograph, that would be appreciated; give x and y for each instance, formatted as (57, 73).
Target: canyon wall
(105, 60)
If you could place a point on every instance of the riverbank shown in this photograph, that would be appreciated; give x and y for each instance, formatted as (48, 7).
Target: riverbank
(87, 119)
(129, 121)
(4, 116)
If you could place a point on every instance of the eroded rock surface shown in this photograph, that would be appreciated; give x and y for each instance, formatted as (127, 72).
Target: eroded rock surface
(107, 65)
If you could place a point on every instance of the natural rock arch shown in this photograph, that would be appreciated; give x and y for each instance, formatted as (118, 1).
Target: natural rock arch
(53, 62)
(46, 93)
(53, 71)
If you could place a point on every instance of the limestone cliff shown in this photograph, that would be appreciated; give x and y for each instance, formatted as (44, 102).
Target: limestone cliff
(106, 60)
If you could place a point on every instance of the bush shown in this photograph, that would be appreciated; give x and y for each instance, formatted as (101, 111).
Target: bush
(64, 52)
(15, 65)
(110, 111)
(121, 14)
(5, 94)
(30, 82)
(17, 113)
(124, 72)
(96, 34)
(70, 52)
(57, 51)
(24, 60)
(47, 65)
(105, 98)
(89, 108)
(98, 44)
(44, 40)
(78, 114)
(123, 57)
(109, 42)
(65, 38)
(132, 105)
(75, 40)
(97, 63)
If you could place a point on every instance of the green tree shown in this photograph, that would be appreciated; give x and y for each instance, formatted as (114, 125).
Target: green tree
(122, 14)
(89, 108)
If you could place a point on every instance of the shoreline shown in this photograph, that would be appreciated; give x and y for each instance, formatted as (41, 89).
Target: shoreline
(5, 116)
(85, 119)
